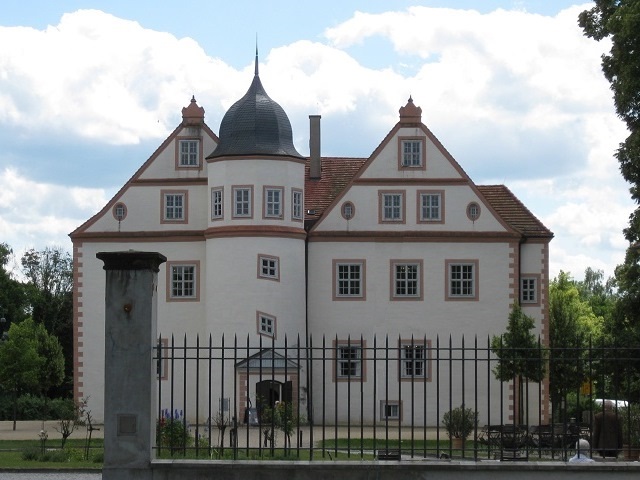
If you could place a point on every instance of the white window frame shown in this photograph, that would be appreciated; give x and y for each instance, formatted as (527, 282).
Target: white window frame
(349, 358)
(402, 272)
(217, 203)
(390, 410)
(266, 325)
(411, 152)
(297, 204)
(268, 267)
(349, 278)
(392, 207)
(430, 211)
(462, 279)
(529, 290)
(184, 279)
(174, 206)
(242, 207)
(273, 202)
(189, 153)
(414, 360)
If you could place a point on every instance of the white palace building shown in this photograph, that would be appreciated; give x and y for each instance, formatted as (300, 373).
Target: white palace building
(263, 243)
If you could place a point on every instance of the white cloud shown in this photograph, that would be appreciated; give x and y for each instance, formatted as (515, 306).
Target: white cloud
(517, 98)
(34, 215)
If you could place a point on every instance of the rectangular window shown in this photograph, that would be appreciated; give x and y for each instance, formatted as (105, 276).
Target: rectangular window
(462, 282)
(242, 202)
(349, 361)
(217, 205)
(529, 290)
(413, 360)
(392, 206)
(349, 279)
(266, 325)
(273, 202)
(390, 410)
(430, 207)
(406, 280)
(189, 153)
(411, 153)
(296, 204)
(174, 208)
(268, 267)
(183, 281)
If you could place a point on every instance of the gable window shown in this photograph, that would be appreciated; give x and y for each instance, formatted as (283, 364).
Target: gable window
(430, 206)
(268, 267)
(266, 325)
(349, 355)
(182, 281)
(217, 205)
(392, 206)
(413, 359)
(272, 202)
(296, 204)
(390, 410)
(411, 153)
(348, 210)
(462, 279)
(242, 202)
(349, 279)
(529, 289)
(119, 211)
(189, 153)
(174, 206)
(473, 211)
(406, 280)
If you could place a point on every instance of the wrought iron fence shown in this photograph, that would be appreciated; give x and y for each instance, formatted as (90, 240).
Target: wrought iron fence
(386, 398)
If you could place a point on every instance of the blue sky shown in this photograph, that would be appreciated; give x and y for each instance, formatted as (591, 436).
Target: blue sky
(514, 91)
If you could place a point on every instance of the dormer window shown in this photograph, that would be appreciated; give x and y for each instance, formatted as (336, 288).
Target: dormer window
(411, 152)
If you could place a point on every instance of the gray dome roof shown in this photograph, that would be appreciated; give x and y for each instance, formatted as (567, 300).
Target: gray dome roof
(255, 125)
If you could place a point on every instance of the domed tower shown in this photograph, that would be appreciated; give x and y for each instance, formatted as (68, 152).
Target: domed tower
(255, 280)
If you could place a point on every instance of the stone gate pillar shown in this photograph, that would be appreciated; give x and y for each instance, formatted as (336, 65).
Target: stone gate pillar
(129, 379)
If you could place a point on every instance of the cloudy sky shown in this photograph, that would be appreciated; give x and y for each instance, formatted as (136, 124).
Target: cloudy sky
(89, 89)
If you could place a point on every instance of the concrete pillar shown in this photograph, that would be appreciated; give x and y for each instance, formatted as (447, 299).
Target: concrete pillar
(129, 379)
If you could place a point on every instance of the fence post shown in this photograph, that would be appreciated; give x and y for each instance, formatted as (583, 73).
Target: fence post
(130, 334)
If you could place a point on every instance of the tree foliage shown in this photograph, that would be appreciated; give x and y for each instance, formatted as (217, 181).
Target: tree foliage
(573, 325)
(49, 290)
(518, 350)
(619, 22)
(30, 360)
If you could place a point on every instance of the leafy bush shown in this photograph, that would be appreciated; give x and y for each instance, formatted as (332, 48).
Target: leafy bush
(172, 431)
(460, 422)
(32, 407)
(30, 454)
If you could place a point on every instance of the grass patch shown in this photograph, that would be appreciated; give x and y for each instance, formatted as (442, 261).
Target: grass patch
(28, 454)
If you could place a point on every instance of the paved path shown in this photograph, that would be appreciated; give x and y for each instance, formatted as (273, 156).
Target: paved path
(29, 430)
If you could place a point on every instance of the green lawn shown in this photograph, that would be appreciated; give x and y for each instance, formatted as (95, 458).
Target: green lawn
(12, 453)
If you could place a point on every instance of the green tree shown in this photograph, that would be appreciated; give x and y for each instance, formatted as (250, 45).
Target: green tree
(49, 290)
(520, 355)
(572, 327)
(30, 360)
(12, 294)
(19, 362)
(619, 22)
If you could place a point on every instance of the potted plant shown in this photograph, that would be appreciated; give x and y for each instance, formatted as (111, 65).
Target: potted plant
(460, 423)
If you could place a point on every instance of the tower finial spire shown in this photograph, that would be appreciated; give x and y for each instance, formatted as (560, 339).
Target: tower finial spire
(256, 68)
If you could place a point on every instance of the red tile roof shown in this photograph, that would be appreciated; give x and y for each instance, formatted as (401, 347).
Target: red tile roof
(337, 172)
(513, 211)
